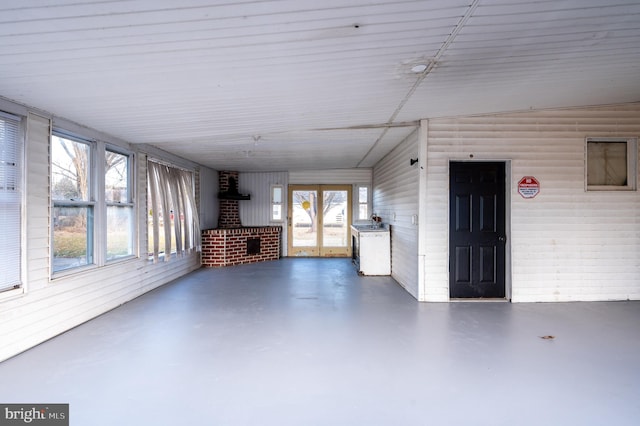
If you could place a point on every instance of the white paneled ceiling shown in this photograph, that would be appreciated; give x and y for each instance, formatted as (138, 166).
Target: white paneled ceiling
(304, 84)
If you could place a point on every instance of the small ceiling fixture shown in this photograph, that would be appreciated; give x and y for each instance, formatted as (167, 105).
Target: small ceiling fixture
(418, 68)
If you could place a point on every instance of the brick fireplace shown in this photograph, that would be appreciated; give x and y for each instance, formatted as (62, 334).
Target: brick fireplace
(231, 243)
(227, 247)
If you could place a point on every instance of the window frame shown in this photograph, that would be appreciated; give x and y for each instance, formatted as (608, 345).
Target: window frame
(357, 203)
(18, 288)
(97, 200)
(632, 164)
(129, 203)
(190, 211)
(274, 203)
(91, 204)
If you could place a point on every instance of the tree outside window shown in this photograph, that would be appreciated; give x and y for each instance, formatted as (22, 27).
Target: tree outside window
(73, 207)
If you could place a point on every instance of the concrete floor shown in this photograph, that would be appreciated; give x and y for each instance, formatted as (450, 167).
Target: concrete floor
(309, 342)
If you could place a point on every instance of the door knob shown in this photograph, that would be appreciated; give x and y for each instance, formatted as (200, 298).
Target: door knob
(502, 239)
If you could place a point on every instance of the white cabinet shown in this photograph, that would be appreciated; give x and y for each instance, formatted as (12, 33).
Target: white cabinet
(371, 248)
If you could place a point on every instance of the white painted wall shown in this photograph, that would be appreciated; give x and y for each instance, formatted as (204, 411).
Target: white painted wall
(395, 199)
(209, 204)
(47, 307)
(567, 244)
(257, 210)
(330, 177)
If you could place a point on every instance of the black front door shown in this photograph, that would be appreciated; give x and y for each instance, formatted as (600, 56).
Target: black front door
(477, 230)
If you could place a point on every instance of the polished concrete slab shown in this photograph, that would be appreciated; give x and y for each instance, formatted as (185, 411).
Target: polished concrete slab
(309, 342)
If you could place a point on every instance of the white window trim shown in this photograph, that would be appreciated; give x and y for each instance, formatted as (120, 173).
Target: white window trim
(20, 288)
(13, 293)
(632, 164)
(97, 201)
(272, 203)
(94, 177)
(192, 236)
(356, 202)
(131, 202)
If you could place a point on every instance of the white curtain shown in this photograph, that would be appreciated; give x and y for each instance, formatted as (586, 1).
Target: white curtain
(171, 193)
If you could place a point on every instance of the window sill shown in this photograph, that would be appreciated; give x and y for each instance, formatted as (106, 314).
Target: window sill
(173, 256)
(12, 294)
(120, 259)
(610, 188)
(88, 269)
(56, 275)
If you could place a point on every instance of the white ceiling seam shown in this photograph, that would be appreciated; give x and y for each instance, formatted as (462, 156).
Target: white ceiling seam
(432, 63)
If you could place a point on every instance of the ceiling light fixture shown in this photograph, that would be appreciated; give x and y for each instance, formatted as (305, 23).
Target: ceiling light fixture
(418, 68)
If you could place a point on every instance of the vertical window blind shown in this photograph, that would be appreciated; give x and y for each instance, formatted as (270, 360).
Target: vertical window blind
(173, 211)
(10, 201)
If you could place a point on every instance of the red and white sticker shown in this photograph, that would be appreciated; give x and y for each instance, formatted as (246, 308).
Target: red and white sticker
(528, 187)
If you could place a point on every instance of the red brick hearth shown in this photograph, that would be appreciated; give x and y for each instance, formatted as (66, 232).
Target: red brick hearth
(226, 247)
(231, 243)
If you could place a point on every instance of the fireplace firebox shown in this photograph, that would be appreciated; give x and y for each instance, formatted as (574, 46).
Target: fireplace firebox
(253, 246)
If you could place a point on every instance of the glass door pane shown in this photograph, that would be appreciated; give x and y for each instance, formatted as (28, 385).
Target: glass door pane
(334, 218)
(304, 222)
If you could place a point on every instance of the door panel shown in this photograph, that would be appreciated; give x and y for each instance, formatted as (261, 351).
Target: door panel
(319, 220)
(488, 213)
(477, 230)
(463, 262)
(303, 221)
(488, 264)
(463, 213)
(336, 211)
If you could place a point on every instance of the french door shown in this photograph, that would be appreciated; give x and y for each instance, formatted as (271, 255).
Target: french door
(319, 220)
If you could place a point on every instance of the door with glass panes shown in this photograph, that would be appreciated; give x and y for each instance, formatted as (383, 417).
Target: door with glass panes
(319, 220)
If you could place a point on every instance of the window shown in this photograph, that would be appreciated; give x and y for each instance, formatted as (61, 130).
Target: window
(93, 217)
(73, 202)
(10, 201)
(611, 164)
(119, 203)
(363, 203)
(277, 197)
(174, 226)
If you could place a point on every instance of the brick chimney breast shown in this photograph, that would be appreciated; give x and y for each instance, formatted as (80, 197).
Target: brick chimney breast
(229, 215)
